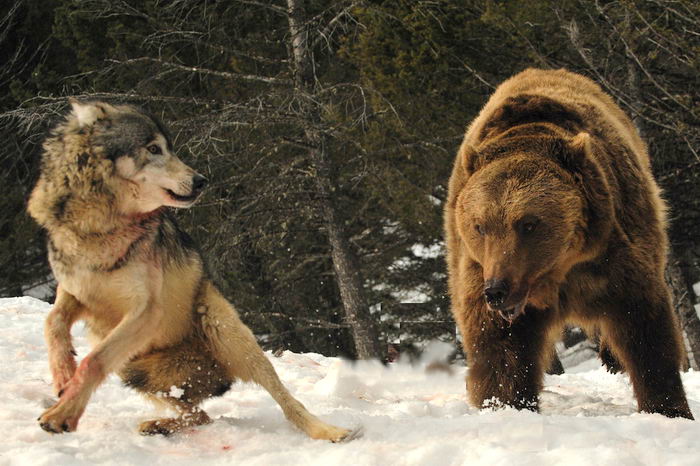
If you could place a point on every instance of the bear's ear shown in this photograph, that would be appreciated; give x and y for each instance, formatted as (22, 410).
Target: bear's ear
(469, 158)
(577, 153)
(580, 142)
(578, 158)
(88, 113)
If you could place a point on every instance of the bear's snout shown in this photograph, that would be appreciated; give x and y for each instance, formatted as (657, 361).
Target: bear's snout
(505, 297)
(496, 293)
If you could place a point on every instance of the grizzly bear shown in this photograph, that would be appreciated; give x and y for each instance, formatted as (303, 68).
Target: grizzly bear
(553, 217)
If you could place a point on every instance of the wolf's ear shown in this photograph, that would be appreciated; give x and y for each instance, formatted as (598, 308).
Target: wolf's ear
(87, 113)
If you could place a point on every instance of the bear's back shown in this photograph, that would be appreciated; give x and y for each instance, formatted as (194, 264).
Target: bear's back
(574, 91)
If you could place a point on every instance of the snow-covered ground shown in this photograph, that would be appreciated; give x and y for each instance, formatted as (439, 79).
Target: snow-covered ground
(409, 416)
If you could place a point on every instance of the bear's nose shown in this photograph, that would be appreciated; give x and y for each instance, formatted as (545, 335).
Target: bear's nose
(496, 292)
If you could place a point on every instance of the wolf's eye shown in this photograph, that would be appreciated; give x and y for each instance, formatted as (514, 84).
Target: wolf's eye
(479, 229)
(154, 149)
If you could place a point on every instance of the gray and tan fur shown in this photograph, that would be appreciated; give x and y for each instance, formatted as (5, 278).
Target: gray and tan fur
(124, 267)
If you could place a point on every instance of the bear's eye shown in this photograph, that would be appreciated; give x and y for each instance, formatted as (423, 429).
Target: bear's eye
(154, 149)
(479, 229)
(528, 225)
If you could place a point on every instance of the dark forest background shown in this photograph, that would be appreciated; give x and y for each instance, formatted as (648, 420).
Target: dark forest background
(328, 131)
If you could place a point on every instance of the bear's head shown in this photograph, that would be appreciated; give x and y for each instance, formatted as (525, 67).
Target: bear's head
(532, 207)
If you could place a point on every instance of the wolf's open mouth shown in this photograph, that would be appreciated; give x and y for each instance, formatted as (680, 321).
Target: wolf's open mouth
(180, 198)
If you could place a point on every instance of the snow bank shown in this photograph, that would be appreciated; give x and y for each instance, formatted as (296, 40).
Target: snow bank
(410, 417)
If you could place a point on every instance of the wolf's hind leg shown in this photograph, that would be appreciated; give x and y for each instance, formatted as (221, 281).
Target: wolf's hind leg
(180, 377)
(190, 415)
(236, 349)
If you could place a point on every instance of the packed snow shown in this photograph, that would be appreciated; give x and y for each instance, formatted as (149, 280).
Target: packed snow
(409, 416)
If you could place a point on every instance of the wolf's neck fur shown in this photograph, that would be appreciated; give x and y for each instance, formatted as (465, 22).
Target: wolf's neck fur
(76, 201)
(104, 250)
(107, 246)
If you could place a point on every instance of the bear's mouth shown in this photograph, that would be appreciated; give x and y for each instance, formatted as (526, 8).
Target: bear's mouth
(512, 313)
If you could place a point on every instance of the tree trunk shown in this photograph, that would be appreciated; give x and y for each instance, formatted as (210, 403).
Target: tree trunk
(347, 271)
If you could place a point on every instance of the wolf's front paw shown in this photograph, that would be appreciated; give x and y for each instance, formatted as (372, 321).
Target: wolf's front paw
(62, 371)
(61, 417)
(62, 364)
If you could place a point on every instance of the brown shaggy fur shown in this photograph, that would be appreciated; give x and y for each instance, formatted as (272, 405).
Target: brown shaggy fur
(552, 198)
(126, 269)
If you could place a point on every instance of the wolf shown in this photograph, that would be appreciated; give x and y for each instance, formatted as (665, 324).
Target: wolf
(124, 267)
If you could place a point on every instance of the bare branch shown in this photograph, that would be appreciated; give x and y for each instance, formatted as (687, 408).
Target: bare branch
(276, 8)
(195, 69)
(630, 52)
(326, 33)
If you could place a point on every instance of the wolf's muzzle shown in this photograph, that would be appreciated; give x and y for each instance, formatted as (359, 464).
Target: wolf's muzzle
(199, 182)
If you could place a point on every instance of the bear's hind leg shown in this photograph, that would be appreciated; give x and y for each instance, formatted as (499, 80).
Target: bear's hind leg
(608, 359)
(644, 336)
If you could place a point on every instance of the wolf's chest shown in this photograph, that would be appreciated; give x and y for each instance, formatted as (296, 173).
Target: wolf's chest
(107, 294)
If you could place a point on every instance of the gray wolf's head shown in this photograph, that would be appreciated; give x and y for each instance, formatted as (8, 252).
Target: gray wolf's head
(140, 149)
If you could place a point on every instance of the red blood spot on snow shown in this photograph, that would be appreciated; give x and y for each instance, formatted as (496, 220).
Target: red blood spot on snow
(226, 447)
